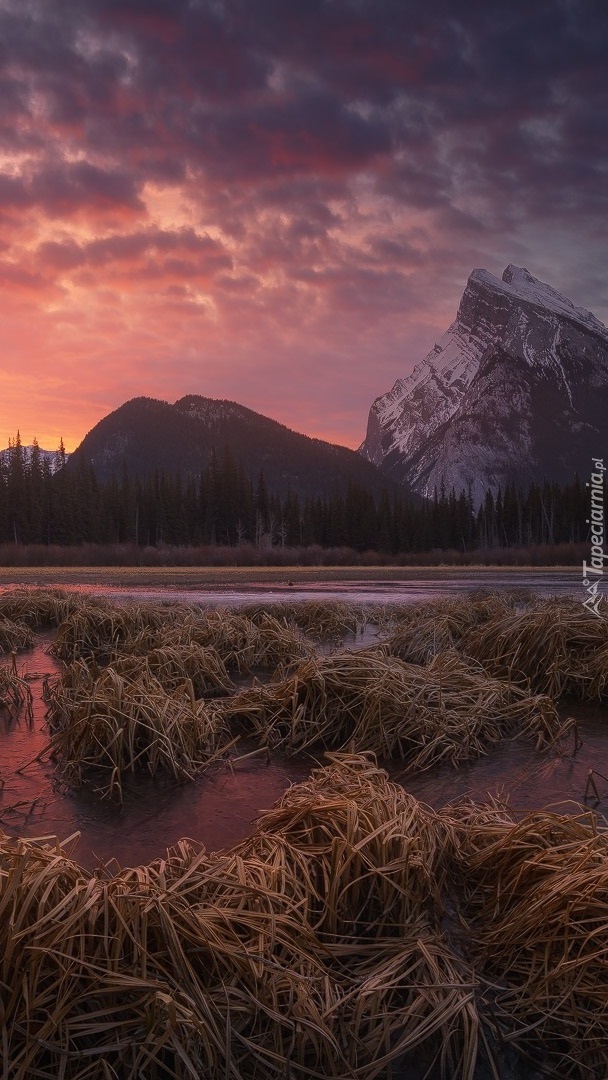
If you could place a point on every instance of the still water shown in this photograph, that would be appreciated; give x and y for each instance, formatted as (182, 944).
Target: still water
(425, 584)
(219, 807)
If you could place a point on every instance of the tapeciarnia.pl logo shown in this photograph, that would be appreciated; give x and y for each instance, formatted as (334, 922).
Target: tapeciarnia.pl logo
(593, 571)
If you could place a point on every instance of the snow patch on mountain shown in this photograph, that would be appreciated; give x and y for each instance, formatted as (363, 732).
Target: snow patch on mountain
(519, 363)
(54, 457)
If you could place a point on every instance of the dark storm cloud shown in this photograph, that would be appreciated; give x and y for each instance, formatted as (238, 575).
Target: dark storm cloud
(63, 189)
(246, 92)
(153, 252)
(311, 177)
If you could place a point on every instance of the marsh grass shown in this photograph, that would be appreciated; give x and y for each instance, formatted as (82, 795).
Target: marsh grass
(555, 648)
(321, 620)
(107, 724)
(102, 631)
(39, 608)
(243, 644)
(15, 691)
(306, 951)
(534, 896)
(369, 700)
(14, 636)
(109, 632)
(417, 632)
(175, 665)
(355, 931)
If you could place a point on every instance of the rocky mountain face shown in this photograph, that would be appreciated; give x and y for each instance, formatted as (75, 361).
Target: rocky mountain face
(146, 435)
(515, 391)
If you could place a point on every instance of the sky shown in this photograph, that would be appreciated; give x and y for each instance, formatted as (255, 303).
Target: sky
(279, 202)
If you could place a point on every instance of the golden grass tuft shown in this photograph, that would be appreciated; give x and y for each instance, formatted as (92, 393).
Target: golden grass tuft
(200, 966)
(102, 631)
(44, 606)
(14, 636)
(534, 897)
(417, 632)
(368, 700)
(15, 691)
(109, 724)
(354, 932)
(173, 665)
(242, 643)
(137, 629)
(555, 647)
(321, 620)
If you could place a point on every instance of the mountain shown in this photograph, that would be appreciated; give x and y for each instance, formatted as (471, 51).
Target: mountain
(515, 391)
(145, 435)
(53, 457)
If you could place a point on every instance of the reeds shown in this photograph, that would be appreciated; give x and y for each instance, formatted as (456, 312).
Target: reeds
(105, 724)
(243, 644)
(555, 648)
(15, 691)
(200, 667)
(137, 629)
(417, 632)
(353, 932)
(368, 700)
(534, 897)
(321, 620)
(14, 636)
(103, 630)
(37, 607)
(310, 950)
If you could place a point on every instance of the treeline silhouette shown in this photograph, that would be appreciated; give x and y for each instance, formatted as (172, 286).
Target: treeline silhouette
(48, 502)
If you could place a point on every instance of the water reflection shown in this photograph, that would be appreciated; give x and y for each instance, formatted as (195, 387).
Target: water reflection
(514, 772)
(216, 810)
(435, 583)
(219, 807)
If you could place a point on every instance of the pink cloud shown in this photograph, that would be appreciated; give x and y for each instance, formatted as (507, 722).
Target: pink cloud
(281, 209)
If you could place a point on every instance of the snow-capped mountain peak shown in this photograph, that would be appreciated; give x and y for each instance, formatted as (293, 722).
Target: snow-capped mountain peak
(519, 362)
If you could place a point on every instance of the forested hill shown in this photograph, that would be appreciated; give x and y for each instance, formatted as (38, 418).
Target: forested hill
(146, 436)
(224, 507)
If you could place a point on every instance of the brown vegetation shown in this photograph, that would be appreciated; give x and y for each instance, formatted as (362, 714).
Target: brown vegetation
(354, 930)
(368, 700)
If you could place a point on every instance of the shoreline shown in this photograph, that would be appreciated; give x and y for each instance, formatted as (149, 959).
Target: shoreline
(193, 577)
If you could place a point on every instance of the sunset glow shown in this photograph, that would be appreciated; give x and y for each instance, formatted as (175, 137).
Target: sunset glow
(279, 203)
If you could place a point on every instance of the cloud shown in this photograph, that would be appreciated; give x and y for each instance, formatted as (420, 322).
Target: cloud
(284, 201)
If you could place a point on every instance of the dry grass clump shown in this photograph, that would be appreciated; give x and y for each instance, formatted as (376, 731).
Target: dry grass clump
(113, 724)
(368, 700)
(15, 692)
(103, 631)
(42, 607)
(556, 648)
(321, 620)
(417, 632)
(342, 826)
(534, 896)
(307, 951)
(243, 644)
(14, 635)
(137, 629)
(354, 932)
(202, 668)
